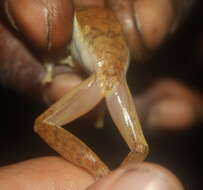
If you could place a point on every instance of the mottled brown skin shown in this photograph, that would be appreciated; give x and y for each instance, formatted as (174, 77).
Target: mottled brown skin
(66, 145)
(106, 42)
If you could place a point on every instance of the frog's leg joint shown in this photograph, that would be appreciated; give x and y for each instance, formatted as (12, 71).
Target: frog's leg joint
(71, 106)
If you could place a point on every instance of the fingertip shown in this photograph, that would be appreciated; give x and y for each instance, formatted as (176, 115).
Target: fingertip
(172, 105)
(60, 85)
(153, 26)
(44, 173)
(142, 176)
(46, 24)
(172, 114)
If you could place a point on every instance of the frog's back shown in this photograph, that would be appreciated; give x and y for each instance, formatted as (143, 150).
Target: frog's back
(102, 33)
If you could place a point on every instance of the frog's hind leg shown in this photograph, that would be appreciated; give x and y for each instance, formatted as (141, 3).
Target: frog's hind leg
(73, 105)
(122, 109)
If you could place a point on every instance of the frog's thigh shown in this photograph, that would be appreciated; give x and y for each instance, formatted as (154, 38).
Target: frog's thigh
(76, 103)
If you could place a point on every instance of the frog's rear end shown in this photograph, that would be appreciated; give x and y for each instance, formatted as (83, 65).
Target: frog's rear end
(99, 36)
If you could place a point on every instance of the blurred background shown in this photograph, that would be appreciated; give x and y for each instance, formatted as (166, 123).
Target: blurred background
(180, 58)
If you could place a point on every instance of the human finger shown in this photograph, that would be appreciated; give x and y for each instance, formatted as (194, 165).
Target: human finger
(144, 24)
(44, 173)
(20, 68)
(170, 105)
(142, 176)
(22, 71)
(46, 24)
(89, 3)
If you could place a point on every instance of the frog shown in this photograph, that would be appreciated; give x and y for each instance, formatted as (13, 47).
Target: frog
(99, 46)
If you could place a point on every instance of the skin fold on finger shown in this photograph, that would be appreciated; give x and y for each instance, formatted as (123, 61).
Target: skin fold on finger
(142, 176)
(44, 173)
(47, 24)
(89, 3)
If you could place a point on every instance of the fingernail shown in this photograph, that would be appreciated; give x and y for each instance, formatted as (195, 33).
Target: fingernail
(156, 114)
(170, 113)
(153, 26)
(147, 177)
(9, 16)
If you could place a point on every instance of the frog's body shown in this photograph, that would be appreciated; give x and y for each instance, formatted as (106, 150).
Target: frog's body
(99, 45)
(100, 40)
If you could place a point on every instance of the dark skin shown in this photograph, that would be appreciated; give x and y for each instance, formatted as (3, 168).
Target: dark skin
(152, 34)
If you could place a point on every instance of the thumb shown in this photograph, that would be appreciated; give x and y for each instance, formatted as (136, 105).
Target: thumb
(141, 176)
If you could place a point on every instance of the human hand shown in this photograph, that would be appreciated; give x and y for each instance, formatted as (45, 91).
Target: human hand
(143, 25)
(56, 173)
(60, 86)
(20, 63)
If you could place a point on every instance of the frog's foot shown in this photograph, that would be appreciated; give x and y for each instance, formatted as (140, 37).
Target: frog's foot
(99, 123)
(68, 62)
(48, 77)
